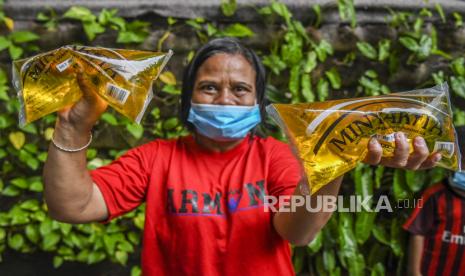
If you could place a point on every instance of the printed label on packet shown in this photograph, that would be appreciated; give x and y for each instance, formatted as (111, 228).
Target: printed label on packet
(446, 148)
(117, 93)
(64, 65)
(387, 138)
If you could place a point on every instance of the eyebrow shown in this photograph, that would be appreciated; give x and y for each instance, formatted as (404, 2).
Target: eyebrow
(204, 82)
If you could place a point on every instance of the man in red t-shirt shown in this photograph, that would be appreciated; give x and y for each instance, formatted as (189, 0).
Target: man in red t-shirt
(204, 193)
(437, 226)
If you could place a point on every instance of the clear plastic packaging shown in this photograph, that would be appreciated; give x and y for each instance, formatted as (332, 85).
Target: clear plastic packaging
(47, 82)
(332, 137)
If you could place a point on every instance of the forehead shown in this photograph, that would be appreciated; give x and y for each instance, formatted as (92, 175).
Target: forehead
(231, 65)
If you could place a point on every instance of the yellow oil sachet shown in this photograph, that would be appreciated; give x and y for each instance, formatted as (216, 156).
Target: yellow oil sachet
(332, 137)
(47, 82)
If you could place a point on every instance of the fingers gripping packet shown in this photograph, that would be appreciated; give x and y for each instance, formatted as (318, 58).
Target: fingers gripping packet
(47, 82)
(332, 137)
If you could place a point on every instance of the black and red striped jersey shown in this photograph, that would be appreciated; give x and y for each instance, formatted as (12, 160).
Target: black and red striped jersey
(441, 220)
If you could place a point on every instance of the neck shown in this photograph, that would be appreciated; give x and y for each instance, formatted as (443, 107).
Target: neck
(214, 145)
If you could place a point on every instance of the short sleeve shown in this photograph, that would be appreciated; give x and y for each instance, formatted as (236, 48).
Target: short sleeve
(422, 218)
(123, 183)
(284, 170)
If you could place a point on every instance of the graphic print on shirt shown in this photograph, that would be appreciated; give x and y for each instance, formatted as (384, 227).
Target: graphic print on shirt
(192, 202)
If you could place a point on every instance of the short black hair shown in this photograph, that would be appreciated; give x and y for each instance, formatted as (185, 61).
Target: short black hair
(220, 46)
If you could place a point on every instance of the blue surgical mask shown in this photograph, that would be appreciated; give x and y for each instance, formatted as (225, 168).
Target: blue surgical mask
(224, 122)
(458, 180)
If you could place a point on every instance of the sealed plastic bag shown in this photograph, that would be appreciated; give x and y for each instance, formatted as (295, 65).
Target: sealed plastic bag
(332, 137)
(47, 82)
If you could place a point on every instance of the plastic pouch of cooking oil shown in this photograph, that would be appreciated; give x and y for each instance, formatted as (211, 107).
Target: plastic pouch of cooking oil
(47, 82)
(332, 137)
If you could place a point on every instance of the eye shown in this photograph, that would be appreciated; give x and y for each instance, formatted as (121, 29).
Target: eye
(241, 89)
(209, 88)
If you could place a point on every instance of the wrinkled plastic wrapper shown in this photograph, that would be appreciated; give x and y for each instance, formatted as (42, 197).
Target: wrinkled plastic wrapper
(332, 137)
(47, 82)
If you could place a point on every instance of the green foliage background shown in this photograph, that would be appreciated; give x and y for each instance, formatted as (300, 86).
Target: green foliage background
(302, 67)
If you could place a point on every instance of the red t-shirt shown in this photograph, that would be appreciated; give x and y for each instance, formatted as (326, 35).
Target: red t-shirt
(204, 211)
(441, 220)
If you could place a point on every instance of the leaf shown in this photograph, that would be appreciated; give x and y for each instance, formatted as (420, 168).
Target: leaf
(291, 50)
(95, 257)
(170, 123)
(32, 233)
(57, 261)
(310, 62)
(294, 82)
(458, 19)
(136, 271)
(415, 180)
(347, 11)
(298, 259)
(16, 241)
(322, 89)
(323, 50)
(409, 43)
(357, 265)
(125, 246)
(45, 227)
(274, 63)
(36, 186)
(30, 205)
(50, 240)
(237, 30)
(228, 7)
(440, 12)
(4, 43)
(23, 36)
(458, 85)
(11, 191)
(347, 241)
(381, 234)
(426, 44)
(458, 66)
(379, 172)
(9, 23)
(168, 78)
(384, 46)
(396, 232)
(131, 37)
(399, 186)
(109, 118)
(92, 29)
(363, 180)
(367, 50)
(317, 9)
(315, 245)
(136, 130)
(171, 89)
(121, 257)
(19, 182)
(307, 92)
(79, 13)
(363, 225)
(334, 78)
(329, 260)
(15, 51)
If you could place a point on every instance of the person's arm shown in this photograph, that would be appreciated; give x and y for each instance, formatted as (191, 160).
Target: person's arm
(415, 251)
(70, 194)
(301, 226)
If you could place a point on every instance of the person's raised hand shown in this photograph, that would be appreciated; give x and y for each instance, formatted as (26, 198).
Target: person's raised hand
(419, 159)
(83, 114)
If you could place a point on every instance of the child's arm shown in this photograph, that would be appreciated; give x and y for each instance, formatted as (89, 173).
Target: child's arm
(414, 254)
